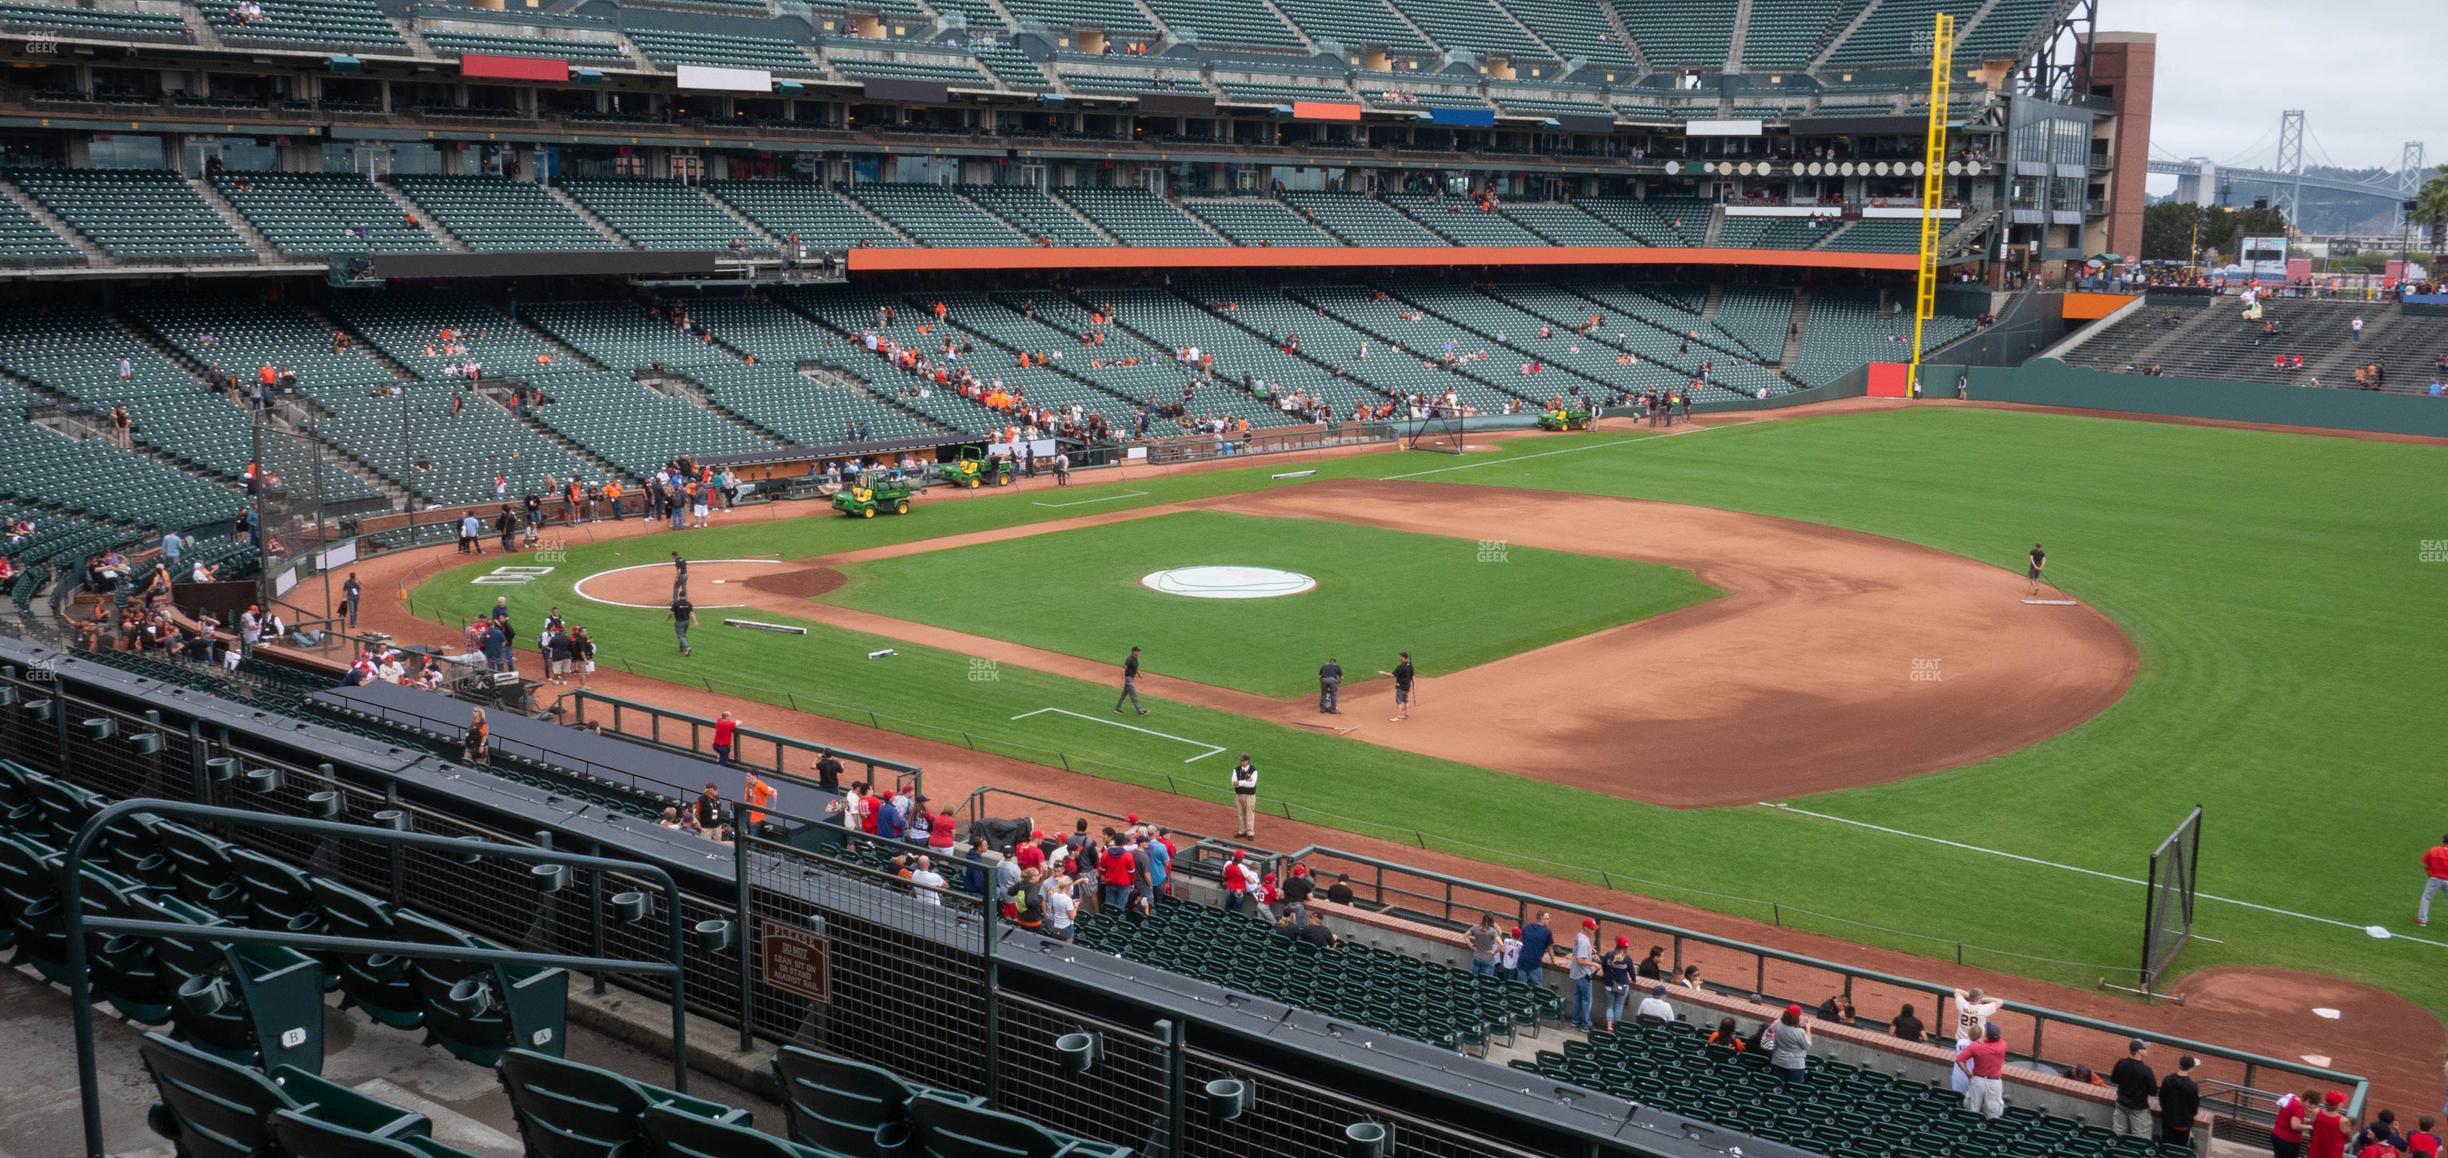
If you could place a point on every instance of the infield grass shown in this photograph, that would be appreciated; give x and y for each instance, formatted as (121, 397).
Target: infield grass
(1449, 602)
(2290, 680)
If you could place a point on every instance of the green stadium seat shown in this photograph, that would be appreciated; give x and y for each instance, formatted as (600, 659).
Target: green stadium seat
(567, 1109)
(211, 1107)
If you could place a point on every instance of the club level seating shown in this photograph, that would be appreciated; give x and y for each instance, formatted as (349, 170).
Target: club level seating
(679, 46)
(1852, 108)
(950, 70)
(1428, 1002)
(359, 25)
(1462, 222)
(584, 50)
(1897, 32)
(1362, 220)
(495, 214)
(26, 241)
(1137, 216)
(933, 214)
(137, 214)
(1840, 1109)
(92, 23)
(817, 217)
(632, 427)
(1034, 212)
(1257, 221)
(1786, 34)
(317, 214)
(1881, 236)
(981, 14)
(1356, 23)
(1563, 224)
(1244, 23)
(658, 215)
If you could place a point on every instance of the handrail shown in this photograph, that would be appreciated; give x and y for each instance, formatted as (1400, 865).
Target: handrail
(1762, 954)
(80, 984)
(908, 779)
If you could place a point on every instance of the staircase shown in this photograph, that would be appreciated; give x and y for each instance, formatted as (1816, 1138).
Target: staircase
(679, 385)
(1302, 34)
(1967, 230)
(1742, 35)
(862, 210)
(562, 351)
(1716, 225)
(1793, 333)
(741, 220)
(1708, 308)
(56, 224)
(1837, 41)
(584, 214)
(602, 468)
(425, 221)
(264, 250)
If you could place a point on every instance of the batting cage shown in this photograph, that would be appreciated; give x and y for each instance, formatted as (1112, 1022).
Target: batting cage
(2168, 915)
(1442, 434)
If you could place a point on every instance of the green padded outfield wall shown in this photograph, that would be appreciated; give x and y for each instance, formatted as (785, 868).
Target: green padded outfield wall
(2049, 382)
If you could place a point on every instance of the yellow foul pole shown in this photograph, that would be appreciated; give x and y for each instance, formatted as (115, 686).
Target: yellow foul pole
(1933, 183)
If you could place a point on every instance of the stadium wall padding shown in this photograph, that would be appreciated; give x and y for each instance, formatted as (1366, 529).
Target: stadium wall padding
(2049, 382)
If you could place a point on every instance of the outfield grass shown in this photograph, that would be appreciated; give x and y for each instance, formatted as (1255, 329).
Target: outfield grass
(1078, 592)
(2289, 681)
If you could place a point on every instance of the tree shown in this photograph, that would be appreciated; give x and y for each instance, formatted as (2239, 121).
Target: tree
(2167, 231)
(2431, 207)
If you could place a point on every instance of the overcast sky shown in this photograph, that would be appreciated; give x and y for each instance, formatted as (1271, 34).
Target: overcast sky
(2358, 68)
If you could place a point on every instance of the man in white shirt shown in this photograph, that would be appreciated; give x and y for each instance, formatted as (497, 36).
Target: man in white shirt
(927, 881)
(1655, 1005)
(1973, 1010)
(1059, 908)
(1584, 972)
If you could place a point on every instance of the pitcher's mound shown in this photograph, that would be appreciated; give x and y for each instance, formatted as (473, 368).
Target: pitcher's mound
(649, 585)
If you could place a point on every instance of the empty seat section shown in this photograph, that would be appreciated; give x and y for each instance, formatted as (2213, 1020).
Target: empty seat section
(320, 214)
(1246, 23)
(804, 410)
(1478, 26)
(91, 477)
(1362, 220)
(1279, 380)
(1356, 23)
(1669, 339)
(357, 25)
(909, 66)
(1575, 30)
(1463, 222)
(92, 23)
(1880, 236)
(1090, 81)
(587, 50)
(1669, 222)
(659, 215)
(1680, 32)
(27, 241)
(681, 46)
(1563, 224)
(1847, 330)
(2005, 32)
(1257, 221)
(933, 214)
(621, 335)
(1749, 231)
(497, 214)
(1897, 32)
(76, 352)
(1757, 319)
(136, 214)
(1035, 213)
(632, 427)
(1137, 216)
(1119, 19)
(1788, 33)
(819, 219)
(1012, 66)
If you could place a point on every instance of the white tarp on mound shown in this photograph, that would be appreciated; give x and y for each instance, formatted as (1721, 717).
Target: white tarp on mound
(1228, 582)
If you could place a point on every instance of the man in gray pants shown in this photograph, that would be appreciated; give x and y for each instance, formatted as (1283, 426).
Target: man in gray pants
(1130, 684)
(1330, 683)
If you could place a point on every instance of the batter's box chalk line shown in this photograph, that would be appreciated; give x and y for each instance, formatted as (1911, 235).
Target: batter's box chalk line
(1211, 749)
(1088, 502)
(2052, 603)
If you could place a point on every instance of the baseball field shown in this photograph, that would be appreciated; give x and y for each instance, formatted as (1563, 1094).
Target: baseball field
(1634, 647)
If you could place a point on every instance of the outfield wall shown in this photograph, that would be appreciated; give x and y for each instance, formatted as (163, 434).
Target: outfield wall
(2049, 382)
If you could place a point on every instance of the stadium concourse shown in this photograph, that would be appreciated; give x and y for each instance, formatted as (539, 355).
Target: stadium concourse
(2379, 1034)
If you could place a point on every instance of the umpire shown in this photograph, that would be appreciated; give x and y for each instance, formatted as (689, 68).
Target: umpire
(1330, 683)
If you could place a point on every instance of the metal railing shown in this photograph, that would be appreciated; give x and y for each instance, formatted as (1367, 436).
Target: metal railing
(751, 748)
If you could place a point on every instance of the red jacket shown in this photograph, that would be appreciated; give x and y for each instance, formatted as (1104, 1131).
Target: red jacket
(1114, 867)
(723, 731)
(2436, 862)
(1235, 879)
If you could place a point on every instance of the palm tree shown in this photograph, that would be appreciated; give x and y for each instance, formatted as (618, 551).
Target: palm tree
(2431, 205)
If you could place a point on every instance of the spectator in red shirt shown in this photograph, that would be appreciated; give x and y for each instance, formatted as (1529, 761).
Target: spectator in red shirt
(726, 730)
(1029, 854)
(2435, 863)
(1236, 883)
(2288, 1127)
(2325, 1136)
(939, 831)
(1984, 1064)
(2423, 1143)
(1114, 877)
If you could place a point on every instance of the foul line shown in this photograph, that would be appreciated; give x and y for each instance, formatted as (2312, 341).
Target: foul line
(1212, 749)
(1085, 502)
(1512, 458)
(2393, 935)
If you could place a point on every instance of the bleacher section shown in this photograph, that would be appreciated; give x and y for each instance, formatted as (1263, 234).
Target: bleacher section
(495, 214)
(660, 215)
(2218, 342)
(150, 215)
(320, 214)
